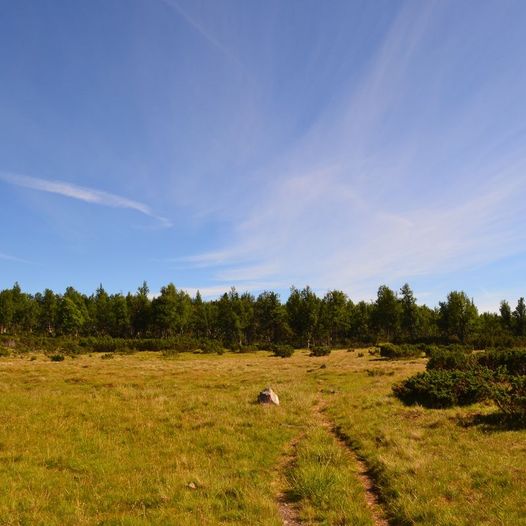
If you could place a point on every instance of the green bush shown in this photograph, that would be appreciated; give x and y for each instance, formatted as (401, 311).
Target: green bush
(283, 351)
(320, 350)
(450, 360)
(394, 352)
(510, 396)
(212, 346)
(442, 388)
(457, 348)
(513, 361)
(247, 348)
(105, 345)
(57, 357)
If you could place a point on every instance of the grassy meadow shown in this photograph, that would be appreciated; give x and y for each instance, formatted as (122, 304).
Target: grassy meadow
(144, 439)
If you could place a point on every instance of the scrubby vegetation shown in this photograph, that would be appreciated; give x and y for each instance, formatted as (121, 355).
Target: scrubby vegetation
(320, 350)
(450, 359)
(393, 352)
(457, 376)
(510, 395)
(444, 388)
(283, 351)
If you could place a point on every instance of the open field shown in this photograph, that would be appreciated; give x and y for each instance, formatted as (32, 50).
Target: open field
(142, 439)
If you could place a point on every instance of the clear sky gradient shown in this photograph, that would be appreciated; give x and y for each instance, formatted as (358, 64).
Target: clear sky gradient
(260, 144)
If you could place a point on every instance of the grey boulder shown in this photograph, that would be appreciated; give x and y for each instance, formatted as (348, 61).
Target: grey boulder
(268, 396)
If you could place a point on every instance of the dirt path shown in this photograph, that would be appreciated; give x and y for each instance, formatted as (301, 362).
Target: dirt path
(371, 493)
(288, 510)
(288, 514)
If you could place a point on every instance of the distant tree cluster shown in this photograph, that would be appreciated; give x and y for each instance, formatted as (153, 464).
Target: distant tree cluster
(238, 320)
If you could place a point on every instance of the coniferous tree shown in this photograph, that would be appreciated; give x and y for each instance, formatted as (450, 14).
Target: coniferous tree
(6, 311)
(505, 316)
(519, 318)
(139, 309)
(408, 313)
(270, 317)
(48, 310)
(199, 321)
(334, 317)
(70, 319)
(386, 313)
(457, 315)
(303, 313)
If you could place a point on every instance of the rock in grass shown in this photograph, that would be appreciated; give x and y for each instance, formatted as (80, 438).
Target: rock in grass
(268, 396)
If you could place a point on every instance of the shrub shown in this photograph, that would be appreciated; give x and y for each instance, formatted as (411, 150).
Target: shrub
(283, 351)
(450, 360)
(442, 388)
(512, 360)
(57, 357)
(212, 346)
(248, 348)
(457, 348)
(104, 345)
(71, 348)
(510, 396)
(320, 350)
(394, 352)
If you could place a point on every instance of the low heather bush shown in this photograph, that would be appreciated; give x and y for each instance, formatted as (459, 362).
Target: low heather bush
(512, 361)
(442, 388)
(283, 351)
(447, 360)
(510, 396)
(394, 352)
(320, 350)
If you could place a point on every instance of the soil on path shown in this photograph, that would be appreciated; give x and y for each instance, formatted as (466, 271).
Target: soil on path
(288, 509)
(372, 496)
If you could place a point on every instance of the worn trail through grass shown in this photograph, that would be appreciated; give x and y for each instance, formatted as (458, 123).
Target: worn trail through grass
(372, 495)
(321, 462)
(288, 510)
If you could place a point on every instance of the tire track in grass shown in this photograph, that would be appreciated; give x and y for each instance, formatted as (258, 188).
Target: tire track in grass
(372, 495)
(288, 510)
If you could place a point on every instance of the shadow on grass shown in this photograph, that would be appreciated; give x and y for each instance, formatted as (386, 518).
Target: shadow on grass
(492, 422)
(290, 496)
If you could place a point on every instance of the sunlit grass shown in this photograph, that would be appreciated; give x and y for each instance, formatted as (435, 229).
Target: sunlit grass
(142, 439)
(324, 478)
(440, 467)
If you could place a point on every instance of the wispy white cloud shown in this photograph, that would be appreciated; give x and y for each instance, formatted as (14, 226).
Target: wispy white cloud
(201, 30)
(363, 199)
(82, 193)
(240, 274)
(7, 257)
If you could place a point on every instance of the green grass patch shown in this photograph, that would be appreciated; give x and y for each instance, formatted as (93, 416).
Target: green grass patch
(324, 480)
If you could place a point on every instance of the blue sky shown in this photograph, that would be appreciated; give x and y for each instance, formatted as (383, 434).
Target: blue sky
(340, 144)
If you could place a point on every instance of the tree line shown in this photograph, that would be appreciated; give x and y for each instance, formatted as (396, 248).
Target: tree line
(242, 319)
